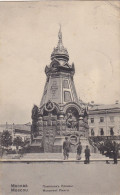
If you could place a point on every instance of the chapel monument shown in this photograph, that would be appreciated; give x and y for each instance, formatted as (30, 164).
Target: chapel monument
(59, 113)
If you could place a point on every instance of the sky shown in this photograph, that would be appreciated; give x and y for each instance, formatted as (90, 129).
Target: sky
(28, 34)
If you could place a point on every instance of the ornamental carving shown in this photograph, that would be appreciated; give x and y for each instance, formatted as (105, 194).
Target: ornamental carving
(49, 106)
(71, 120)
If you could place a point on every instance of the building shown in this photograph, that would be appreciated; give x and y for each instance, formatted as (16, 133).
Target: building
(59, 113)
(22, 130)
(104, 120)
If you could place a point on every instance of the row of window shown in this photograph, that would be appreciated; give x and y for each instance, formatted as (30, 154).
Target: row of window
(102, 131)
(102, 119)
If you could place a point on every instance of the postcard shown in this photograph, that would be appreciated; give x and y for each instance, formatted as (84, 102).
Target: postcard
(60, 97)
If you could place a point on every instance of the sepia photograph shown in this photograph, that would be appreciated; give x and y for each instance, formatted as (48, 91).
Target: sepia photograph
(60, 98)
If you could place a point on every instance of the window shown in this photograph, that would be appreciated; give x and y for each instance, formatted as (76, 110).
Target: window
(67, 96)
(101, 131)
(65, 84)
(111, 131)
(92, 120)
(101, 119)
(111, 118)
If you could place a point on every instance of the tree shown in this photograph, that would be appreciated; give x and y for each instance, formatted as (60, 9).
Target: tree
(6, 139)
(18, 142)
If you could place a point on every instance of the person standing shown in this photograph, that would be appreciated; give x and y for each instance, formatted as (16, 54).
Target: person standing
(66, 148)
(115, 152)
(79, 151)
(87, 155)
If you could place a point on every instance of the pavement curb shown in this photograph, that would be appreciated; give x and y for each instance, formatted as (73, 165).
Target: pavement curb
(50, 160)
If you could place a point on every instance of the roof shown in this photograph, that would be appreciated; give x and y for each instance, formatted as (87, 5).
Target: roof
(22, 127)
(105, 107)
(22, 131)
(10, 127)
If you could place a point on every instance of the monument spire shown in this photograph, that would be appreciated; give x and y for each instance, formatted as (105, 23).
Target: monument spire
(60, 36)
(60, 44)
(60, 52)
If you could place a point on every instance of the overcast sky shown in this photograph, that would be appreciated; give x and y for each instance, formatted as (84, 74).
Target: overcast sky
(28, 34)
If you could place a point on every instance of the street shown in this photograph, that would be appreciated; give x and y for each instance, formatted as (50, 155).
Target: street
(75, 178)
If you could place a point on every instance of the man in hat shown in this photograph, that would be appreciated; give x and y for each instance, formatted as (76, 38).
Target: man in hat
(87, 155)
(66, 148)
(115, 152)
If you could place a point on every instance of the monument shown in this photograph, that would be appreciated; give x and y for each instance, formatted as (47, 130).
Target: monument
(59, 113)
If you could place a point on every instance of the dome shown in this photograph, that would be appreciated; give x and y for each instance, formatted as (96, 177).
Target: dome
(60, 52)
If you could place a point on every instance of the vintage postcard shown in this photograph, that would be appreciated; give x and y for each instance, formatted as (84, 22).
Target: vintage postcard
(60, 98)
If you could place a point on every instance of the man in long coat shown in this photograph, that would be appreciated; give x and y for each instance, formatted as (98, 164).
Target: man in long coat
(66, 148)
(79, 151)
(115, 152)
(87, 155)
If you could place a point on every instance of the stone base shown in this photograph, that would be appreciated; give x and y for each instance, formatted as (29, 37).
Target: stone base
(58, 144)
(57, 149)
(36, 146)
(51, 144)
(36, 149)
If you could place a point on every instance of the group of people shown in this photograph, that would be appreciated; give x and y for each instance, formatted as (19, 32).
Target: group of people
(107, 147)
(66, 150)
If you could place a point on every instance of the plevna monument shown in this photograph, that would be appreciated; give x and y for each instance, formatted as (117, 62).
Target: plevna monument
(60, 113)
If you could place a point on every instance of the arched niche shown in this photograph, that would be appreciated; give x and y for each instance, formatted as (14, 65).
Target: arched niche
(73, 111)
(54, 111)
(72, 117)
(73, 106)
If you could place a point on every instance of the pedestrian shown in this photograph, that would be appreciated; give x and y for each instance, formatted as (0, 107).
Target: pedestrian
(1, 152)
(87, 155)
(79, 151)
(101, 148)
(66, 148)
(115, 152)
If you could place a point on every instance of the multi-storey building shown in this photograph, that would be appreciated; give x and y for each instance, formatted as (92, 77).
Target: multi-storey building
(104, 120)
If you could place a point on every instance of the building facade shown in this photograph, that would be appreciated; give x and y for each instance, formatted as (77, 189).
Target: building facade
(104, 120)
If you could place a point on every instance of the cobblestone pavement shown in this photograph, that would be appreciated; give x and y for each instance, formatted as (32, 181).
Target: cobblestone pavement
(96, 178)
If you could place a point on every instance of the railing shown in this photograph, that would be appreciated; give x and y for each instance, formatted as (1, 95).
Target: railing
(102, 138)
(94, 149)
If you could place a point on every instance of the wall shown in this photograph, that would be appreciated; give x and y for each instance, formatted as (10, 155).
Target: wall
(106, 125)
